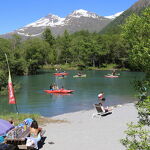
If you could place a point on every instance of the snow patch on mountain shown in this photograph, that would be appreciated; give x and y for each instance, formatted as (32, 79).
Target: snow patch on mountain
(114, 16)
(76, 21)
(50, 20)
(30, 35)
(83, 13)
(54, 20)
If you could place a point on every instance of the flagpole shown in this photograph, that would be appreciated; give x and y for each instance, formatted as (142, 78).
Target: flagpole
(10, 78)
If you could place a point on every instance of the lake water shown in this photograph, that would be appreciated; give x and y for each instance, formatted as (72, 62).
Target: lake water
(31, 98)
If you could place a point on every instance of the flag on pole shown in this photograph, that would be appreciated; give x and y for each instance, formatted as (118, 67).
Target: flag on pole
(11, 95)
(12, 99)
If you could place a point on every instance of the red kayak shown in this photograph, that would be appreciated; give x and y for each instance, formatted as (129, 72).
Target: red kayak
(59, 91)
(58, 94)
(61, 74)
(111, 76)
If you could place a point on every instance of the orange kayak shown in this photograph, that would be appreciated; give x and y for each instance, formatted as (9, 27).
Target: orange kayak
(61, 74)
(59, 91)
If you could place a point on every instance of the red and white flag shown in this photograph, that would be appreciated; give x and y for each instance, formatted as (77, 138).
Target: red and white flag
(11, 95)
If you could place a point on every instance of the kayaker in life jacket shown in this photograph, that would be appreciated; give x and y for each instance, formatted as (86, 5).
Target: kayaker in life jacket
(55, 87)
(51, 87)
(114, 72)
(79, 74)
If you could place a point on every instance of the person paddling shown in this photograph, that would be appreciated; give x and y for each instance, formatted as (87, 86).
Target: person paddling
(114, 72)
(79, 74)
(51, 87)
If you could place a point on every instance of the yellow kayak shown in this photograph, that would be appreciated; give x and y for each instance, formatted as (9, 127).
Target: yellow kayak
(80, 76)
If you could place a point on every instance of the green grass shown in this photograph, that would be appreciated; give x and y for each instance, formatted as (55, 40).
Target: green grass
(63, 67)
(19, 118)
(75, 67)
(108, 67)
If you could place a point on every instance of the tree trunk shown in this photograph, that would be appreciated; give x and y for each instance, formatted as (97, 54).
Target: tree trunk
(93, 63)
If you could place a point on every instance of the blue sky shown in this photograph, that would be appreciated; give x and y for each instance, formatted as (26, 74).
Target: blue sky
(18, 13)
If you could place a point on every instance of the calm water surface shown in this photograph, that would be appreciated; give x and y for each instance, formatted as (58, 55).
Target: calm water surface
(32, 99)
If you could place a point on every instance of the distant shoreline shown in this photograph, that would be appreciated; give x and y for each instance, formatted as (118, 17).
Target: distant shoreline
(72, 67)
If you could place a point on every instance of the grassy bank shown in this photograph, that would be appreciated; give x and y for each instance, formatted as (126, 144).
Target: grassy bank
(75, 67)
(19, 118)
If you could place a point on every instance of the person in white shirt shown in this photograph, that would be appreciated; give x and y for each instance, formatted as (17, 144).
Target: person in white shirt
(101, 96)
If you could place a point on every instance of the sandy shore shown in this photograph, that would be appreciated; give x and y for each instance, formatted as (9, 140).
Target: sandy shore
(82, 132)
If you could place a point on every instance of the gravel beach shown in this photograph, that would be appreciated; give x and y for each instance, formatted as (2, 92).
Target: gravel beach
(81, 131)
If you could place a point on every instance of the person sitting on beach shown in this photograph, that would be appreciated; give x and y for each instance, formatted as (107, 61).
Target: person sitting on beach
(34, 129)
(35, 137)
(105, 109)
(101, 96)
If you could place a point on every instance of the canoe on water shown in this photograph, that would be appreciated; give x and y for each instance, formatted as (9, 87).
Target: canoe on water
(61, 74)
(80, 76)
(60, 77)
(110, 76)
(59, 91)
(116, 74)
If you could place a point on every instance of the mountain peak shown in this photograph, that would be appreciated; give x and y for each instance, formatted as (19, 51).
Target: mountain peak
(83, 13)
(52, 16)
(49, 20)
(78, 20)
(80, 11)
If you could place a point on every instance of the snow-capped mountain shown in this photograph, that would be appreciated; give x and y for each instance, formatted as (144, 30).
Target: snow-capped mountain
(76, 21)
(50, 20)
(82, 13)
(115, 15)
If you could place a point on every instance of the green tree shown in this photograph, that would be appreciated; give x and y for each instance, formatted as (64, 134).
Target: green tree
(15, 41)
(48, 37)
(5, 46)
(36, 52)
(65, 48)
(136, 32)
